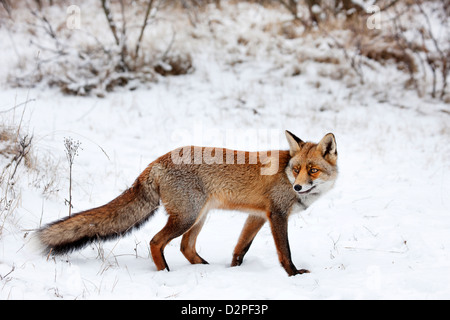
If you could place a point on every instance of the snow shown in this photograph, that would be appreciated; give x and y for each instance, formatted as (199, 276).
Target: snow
(383, 232)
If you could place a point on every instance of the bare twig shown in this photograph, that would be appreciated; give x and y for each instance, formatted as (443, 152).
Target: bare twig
(17, 105)
(106, 5)
(24, 144)
(7, 6)
(291, 6)
(390, 4)
(443, 57)
(11, 271)
(404, 45)
(169, 47)
(46, 25)
(354, 63)
(144, 25)
(123, 38)
(120, 42)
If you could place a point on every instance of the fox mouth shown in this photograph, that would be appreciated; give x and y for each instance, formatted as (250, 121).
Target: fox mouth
(307, 191)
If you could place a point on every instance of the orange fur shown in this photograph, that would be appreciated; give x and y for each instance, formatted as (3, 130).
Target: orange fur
(191, 181)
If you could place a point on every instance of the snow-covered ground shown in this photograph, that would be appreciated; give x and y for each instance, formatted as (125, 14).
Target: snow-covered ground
(383, 232)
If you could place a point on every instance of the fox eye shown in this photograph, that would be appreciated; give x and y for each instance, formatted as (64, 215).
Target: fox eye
(296, 170)
(314, 170)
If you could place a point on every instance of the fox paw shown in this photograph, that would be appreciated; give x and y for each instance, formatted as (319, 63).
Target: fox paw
(302, 271)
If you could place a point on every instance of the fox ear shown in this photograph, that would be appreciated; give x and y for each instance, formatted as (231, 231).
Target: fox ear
(327, 147)
(295, 143)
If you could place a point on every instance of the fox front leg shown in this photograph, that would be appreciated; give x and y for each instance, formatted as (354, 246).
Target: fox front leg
(279, 226)
(251, 228)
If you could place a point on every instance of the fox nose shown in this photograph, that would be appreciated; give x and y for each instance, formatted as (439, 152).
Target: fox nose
(297, 187)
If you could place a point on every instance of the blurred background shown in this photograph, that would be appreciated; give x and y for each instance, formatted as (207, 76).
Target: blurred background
(93, 47)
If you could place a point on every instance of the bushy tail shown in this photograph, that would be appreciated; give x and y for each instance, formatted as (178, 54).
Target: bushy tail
(128, 211)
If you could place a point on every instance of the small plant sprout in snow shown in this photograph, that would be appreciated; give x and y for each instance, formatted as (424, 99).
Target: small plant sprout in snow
(71, 151)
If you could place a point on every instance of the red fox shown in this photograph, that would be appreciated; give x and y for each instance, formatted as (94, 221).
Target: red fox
(190, 181)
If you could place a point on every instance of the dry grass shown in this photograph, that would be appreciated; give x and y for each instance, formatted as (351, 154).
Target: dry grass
(14, 150)
(15, 147)
(18, 159)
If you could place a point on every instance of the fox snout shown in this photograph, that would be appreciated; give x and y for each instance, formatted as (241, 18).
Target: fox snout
(303, 189)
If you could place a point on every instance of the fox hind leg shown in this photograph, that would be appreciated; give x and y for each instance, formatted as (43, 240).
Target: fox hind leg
(188, 242)
(175, 227)
(184, 202)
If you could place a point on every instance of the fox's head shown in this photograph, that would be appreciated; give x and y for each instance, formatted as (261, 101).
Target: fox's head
(312, 168)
